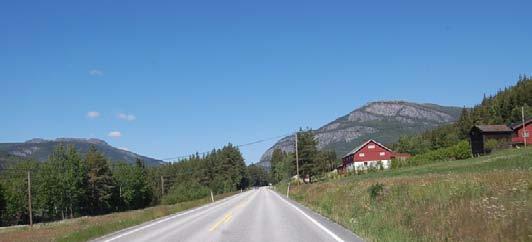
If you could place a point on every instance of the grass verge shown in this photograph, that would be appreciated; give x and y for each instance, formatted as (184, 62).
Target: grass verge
(478, 199)
(85, 228)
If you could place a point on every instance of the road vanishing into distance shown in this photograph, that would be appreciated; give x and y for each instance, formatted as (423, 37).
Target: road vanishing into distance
(256, 215)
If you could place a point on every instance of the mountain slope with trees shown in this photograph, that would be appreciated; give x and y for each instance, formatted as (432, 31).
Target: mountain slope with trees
(502, 108)
(384, 121)
(40, 150)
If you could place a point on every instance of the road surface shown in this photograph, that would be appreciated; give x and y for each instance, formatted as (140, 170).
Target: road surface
(256, 215)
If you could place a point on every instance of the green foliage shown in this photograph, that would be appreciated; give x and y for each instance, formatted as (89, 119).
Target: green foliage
(61, 183)
(2, 203)
(326, 161)
(100, 183)
(185, 191)
(502, 108)
(282, 166)
(479, 199)
(456, 152)
(306, 146)
(490, 145)
(68, 185)
(311, 161)
(258, 176)
(375, 190)
(134, 190)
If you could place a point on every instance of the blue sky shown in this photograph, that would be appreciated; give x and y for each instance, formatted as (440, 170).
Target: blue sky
(176, 77)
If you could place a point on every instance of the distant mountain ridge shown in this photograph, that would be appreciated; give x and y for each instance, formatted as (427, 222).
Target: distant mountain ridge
(40, 149)
(384, 121)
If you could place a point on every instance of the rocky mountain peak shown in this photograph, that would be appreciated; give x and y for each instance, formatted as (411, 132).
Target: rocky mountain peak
(385, 121)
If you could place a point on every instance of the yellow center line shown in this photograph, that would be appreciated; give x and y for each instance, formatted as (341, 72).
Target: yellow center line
(221, 221)
(227, 217)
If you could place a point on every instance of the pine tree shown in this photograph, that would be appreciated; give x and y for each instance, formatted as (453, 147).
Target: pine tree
(100, 182)
(307, 153)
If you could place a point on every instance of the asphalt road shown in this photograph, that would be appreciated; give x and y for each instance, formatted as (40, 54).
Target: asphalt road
(256, 215)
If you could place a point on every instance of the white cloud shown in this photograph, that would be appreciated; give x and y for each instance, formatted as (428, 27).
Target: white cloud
(93, 114)
(115, 134)
(127, 117)
(95, 72)
(123, 148)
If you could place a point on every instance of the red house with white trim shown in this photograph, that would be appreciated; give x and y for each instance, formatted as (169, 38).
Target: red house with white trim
(370, 154)
(519, 133)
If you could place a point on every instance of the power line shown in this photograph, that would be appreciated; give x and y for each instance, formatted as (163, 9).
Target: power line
(177, 158)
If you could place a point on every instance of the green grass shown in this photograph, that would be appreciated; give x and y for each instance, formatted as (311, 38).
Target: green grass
(479, 199)
(86, 228)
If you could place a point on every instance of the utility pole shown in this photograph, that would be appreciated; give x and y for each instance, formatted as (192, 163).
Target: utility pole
(297, 162)
(525, 133)
(29, 199)
(162, 186)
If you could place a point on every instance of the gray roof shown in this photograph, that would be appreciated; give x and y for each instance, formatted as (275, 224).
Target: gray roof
(497, 128)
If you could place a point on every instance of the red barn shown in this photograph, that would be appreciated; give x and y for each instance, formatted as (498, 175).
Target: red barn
(369, 154)
(519, 133)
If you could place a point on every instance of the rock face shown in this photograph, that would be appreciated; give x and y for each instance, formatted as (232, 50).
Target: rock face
(40, 150)
(384, 121)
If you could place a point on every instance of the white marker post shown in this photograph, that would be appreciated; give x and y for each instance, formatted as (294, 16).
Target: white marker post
(288, 191)
(212, 197)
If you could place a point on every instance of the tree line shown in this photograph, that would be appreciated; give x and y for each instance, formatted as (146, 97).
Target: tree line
(502, 108)
(312, 162)
(70, 185)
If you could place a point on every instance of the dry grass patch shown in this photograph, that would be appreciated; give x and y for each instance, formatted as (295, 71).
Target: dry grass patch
(85, 228)
(491, 203)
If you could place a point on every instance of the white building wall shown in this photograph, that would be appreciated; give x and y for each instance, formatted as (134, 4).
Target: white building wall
(359, 165)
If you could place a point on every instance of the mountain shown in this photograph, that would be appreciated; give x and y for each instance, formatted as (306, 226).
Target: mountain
(40, 149)
(384, 121)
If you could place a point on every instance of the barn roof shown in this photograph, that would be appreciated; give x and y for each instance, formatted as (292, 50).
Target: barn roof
(497, 128)
(362, 145)
(520, 125)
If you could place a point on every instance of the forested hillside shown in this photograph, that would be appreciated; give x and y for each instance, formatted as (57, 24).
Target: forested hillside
(504, 107)
(40, 149)
(69, 184)
(384, 121)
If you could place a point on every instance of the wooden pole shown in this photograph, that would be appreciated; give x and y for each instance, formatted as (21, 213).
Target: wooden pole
(29, 199)
(297, 162)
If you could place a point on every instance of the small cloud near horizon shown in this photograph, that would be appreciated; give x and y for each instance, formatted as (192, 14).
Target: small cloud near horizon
(115, 134)
(123, 148)
(127, 117)
(95, 72)
(93, 114)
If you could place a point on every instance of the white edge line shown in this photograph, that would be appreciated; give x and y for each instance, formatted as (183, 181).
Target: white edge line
(335, 237)
(163, 220)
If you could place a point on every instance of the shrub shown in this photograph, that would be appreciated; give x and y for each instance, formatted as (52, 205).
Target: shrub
(186, 191)
(491, 144)
(461, 150)
(375, 190)
(456, 152)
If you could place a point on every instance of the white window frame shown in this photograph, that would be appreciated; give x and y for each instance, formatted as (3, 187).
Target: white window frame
(361, 155)
(372, 146)
(382, 153)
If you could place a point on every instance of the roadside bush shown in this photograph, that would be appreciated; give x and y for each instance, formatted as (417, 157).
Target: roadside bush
(491, 144)
(186, 191)
(375, 190)
(456, 152)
